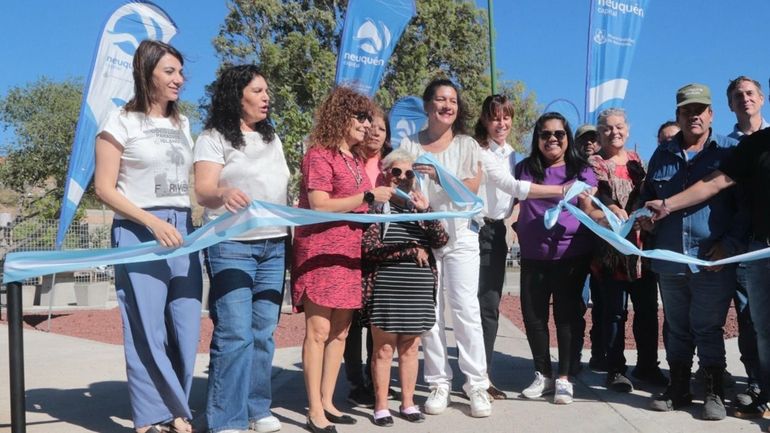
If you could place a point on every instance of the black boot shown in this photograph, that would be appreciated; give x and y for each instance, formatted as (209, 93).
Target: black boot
(677, 394)
(714, 401)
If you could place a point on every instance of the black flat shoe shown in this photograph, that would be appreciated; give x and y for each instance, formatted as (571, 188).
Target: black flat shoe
(341, 419)
(315, 429)
(386, 421)
(416, 417)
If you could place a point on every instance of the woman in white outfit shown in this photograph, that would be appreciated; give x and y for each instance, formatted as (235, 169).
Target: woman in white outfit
(458, 261)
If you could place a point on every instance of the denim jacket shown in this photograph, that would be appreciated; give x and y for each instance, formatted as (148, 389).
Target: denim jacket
(694, 230)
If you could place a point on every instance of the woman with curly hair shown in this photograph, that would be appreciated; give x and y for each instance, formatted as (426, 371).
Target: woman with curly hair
(238, 158)
(620, 174)
(326, 272)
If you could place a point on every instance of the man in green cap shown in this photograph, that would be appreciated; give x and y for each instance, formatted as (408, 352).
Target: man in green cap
(695, 299)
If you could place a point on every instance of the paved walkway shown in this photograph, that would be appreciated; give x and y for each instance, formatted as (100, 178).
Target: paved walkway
(75, 385)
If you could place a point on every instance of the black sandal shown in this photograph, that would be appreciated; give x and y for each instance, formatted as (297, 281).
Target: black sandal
(172, 428)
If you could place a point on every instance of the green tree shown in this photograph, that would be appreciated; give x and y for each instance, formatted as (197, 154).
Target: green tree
(41, 117)
(526, 113)
(296, 44)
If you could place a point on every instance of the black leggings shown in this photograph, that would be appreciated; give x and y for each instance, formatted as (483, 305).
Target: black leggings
(564, 280)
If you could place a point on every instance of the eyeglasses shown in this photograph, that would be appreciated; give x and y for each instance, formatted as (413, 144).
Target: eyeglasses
(363, 116)
(560, 134)
(396, 172)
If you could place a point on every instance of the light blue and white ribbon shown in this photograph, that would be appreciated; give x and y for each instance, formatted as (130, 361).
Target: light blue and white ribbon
(22, 265)
(616, 234)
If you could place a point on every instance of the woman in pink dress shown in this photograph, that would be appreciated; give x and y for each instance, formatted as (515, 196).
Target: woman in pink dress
(326, 273)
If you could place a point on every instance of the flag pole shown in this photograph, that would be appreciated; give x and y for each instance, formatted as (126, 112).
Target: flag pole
(491, 25)
(589, 57)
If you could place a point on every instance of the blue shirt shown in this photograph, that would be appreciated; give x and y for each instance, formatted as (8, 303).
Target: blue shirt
(738, 134)
(694, 230)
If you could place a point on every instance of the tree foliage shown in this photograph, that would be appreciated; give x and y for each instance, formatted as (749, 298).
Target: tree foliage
(42, 117)
(296, 44)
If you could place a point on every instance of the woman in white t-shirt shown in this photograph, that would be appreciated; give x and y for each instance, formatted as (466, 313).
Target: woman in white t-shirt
(238, 158)
(143, 161)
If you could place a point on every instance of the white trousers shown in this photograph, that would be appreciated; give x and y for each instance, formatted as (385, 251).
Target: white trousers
(458, 274)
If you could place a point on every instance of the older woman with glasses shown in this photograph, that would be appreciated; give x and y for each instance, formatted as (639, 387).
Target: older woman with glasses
(400, 286)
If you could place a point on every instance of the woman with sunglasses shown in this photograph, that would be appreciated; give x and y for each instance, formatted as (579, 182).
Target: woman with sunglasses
(399, 287)
(498, 189)
(555, 261)
(375, 147)
(326, 271)
(458, 261)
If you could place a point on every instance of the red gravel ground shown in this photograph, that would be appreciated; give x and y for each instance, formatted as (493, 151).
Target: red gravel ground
(105, 326)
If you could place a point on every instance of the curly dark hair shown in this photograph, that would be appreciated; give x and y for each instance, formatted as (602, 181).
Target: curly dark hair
(334, 116)
(573, 157)
(458, 127)
(225, 111)
(146, 58)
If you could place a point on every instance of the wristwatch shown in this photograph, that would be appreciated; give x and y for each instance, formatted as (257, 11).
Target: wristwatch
(368, 197)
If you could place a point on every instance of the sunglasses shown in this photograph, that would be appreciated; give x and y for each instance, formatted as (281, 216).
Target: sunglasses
(396, 172)
(560, 134)
(363, 116)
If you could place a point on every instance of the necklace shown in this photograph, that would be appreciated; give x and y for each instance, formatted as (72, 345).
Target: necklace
(357, 176)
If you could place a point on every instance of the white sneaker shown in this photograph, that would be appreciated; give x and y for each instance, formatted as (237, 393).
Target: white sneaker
(481, 404)
(540, 386)
(563, 394)
(265, 425)
(438, 399)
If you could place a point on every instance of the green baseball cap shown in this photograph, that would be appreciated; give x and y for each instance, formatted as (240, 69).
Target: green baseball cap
(583, 129)
(693, 94)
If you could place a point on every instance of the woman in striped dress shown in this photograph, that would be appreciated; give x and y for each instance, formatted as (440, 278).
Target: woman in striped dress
(400, 287)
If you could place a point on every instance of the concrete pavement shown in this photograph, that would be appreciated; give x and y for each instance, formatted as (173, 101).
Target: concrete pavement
(75, 385)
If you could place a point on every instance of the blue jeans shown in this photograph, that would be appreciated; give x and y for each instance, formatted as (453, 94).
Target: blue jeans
(758, 289)
(245, 301)
(695, 306)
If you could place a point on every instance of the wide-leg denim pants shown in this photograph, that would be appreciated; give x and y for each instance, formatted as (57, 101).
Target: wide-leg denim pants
(160, 304)
(244, 304)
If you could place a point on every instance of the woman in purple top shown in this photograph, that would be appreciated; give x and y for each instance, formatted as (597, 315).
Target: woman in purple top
(554, 262)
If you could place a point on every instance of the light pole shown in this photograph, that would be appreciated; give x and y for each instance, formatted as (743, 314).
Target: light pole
(491, 27)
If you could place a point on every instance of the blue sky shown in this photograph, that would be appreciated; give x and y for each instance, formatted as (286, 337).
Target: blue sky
(542, 43)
